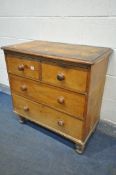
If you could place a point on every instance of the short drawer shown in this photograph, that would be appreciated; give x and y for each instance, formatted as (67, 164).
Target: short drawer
(62, 100)
(45, 116)
(65, 77)
(23, 67)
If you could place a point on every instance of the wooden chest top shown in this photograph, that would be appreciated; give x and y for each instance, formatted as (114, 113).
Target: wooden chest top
(60, 51)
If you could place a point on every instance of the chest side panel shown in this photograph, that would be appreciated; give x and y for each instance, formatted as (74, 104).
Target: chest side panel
(94, 98)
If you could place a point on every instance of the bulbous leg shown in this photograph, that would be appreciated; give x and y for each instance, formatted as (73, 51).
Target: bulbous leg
(79, 148)
(21, 119)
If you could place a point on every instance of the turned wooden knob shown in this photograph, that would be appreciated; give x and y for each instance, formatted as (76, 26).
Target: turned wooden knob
(21, 67)
(60, 100)
(61, 123)
(60, 76)
(23, 87)
(26, 108)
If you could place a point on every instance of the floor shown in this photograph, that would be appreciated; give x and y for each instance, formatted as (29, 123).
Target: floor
(32, 150)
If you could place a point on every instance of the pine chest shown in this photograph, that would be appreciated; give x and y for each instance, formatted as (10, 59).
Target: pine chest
(58, 86)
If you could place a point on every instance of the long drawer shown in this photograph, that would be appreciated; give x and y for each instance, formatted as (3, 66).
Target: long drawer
(62, 100)
(48, 117)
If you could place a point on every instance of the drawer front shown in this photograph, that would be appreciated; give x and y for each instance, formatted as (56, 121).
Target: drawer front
(46, 116)
(75, 79)
(23, 67)
(63, 100)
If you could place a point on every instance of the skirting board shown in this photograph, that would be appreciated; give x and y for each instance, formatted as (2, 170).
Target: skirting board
(5, 89)
(107, 127)
(104, 126)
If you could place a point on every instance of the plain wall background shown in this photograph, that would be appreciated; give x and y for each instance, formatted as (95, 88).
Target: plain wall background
(91, 22)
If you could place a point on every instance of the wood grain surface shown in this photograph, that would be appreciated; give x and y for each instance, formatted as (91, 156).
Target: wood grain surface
(74, 78)
(73, 102)
(61, 51)
(49, 117)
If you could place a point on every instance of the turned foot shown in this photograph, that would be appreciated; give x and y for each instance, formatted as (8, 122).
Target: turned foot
(79, 148)
(21, 119)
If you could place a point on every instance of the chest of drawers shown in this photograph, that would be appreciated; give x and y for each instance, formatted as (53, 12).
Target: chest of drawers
(58, 86)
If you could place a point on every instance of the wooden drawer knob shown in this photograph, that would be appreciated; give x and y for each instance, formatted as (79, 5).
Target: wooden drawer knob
(26, 108)
(21, 67)
(61, 123)
(60, 76)
(60, 100)
(23, 88)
